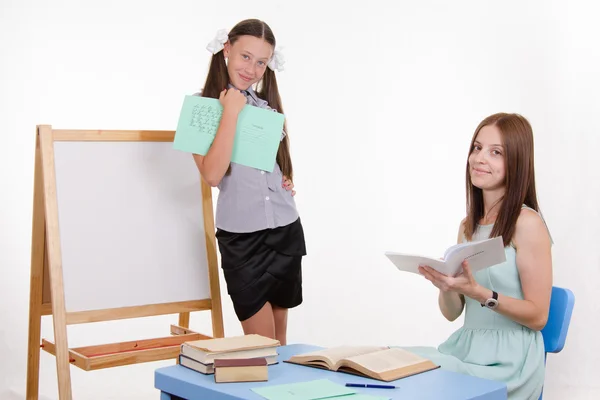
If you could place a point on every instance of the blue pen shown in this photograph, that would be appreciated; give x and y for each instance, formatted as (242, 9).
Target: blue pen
(367, 385)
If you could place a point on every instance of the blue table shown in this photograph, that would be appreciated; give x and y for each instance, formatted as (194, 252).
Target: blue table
(177, 382)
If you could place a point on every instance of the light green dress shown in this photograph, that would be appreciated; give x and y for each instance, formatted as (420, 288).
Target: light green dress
(490, 345)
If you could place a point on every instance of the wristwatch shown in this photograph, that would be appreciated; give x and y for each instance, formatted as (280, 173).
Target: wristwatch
(491, 302)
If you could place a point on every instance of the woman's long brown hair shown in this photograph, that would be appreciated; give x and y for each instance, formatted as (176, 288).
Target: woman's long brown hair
(218, 78)
(517, 139)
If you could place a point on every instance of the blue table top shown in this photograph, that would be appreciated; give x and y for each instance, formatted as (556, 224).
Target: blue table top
(437, 384)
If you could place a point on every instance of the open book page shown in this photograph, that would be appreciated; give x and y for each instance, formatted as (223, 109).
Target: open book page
(453, 249)
(480, 255)
(411, 262)
(385, 360)
(332, 356)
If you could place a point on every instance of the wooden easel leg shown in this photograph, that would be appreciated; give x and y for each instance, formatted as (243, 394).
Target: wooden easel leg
(33, 356)
(63, 366)
(213, 271)
(53, 251)
(38, 246)
(184, 321)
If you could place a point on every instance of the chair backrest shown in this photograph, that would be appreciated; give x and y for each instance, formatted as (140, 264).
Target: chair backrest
(559, 318)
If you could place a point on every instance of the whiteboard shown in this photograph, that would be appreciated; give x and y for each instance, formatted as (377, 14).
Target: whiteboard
(131, 225)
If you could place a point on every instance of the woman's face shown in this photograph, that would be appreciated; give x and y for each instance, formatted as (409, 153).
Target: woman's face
(486, 161)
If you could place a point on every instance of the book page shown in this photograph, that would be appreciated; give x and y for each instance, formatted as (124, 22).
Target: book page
(453, 249)
(257, 138)
(335, 354)
(387, 360)
(411, 262)
(481, 254)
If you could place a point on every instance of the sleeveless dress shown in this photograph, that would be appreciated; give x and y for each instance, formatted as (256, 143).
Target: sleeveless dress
(490, 345)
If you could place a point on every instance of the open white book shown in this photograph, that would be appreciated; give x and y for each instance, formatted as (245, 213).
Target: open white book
(377, 362)
(480, 254)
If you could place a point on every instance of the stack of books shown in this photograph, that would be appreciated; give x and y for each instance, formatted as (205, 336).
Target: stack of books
(200, 355)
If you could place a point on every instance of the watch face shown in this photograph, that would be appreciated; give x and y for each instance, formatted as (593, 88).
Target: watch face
(491, 303)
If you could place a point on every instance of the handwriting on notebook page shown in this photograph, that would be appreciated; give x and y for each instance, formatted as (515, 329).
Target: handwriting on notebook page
(205, 119)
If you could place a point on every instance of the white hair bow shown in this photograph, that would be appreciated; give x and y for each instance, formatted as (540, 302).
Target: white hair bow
(217, 43)
(277, 61)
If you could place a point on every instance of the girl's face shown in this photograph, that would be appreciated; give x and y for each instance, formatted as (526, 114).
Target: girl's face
(486, 161)
(247, 59)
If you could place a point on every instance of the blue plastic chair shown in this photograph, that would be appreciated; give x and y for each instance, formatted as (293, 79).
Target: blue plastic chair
(559, 318)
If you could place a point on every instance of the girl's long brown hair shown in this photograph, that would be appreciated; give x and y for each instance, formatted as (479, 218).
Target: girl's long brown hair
(218, 78)
(517, 139)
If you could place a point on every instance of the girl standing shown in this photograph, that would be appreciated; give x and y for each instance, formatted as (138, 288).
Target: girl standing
(259, 233)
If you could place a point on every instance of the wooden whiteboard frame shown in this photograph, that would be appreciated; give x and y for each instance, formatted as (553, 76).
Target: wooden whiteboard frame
(47, 295)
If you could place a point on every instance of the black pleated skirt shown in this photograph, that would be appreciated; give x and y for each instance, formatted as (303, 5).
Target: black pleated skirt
(263, 266)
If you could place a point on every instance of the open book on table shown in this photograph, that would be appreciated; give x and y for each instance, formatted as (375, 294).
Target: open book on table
(480, 255)
(381, 363)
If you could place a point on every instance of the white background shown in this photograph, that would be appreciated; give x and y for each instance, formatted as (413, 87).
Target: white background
(381, 101)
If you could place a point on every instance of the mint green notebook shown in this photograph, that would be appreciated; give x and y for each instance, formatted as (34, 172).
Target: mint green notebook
(319, 389)
(257, 136)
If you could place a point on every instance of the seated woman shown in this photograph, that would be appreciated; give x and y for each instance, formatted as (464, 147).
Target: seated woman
(506, 305)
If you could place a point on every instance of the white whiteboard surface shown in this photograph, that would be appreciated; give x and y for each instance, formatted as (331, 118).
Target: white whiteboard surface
(131, 224)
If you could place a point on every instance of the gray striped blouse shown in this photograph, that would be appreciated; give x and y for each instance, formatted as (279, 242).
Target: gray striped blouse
(250, 199)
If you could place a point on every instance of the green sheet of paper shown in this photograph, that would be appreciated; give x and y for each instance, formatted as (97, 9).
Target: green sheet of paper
(358, 396)
(257, 135)
(311, 390)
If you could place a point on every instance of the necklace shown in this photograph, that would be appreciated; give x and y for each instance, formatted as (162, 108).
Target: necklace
(487, 217)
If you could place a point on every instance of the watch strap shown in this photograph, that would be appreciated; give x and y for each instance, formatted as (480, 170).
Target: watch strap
(494, 296)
